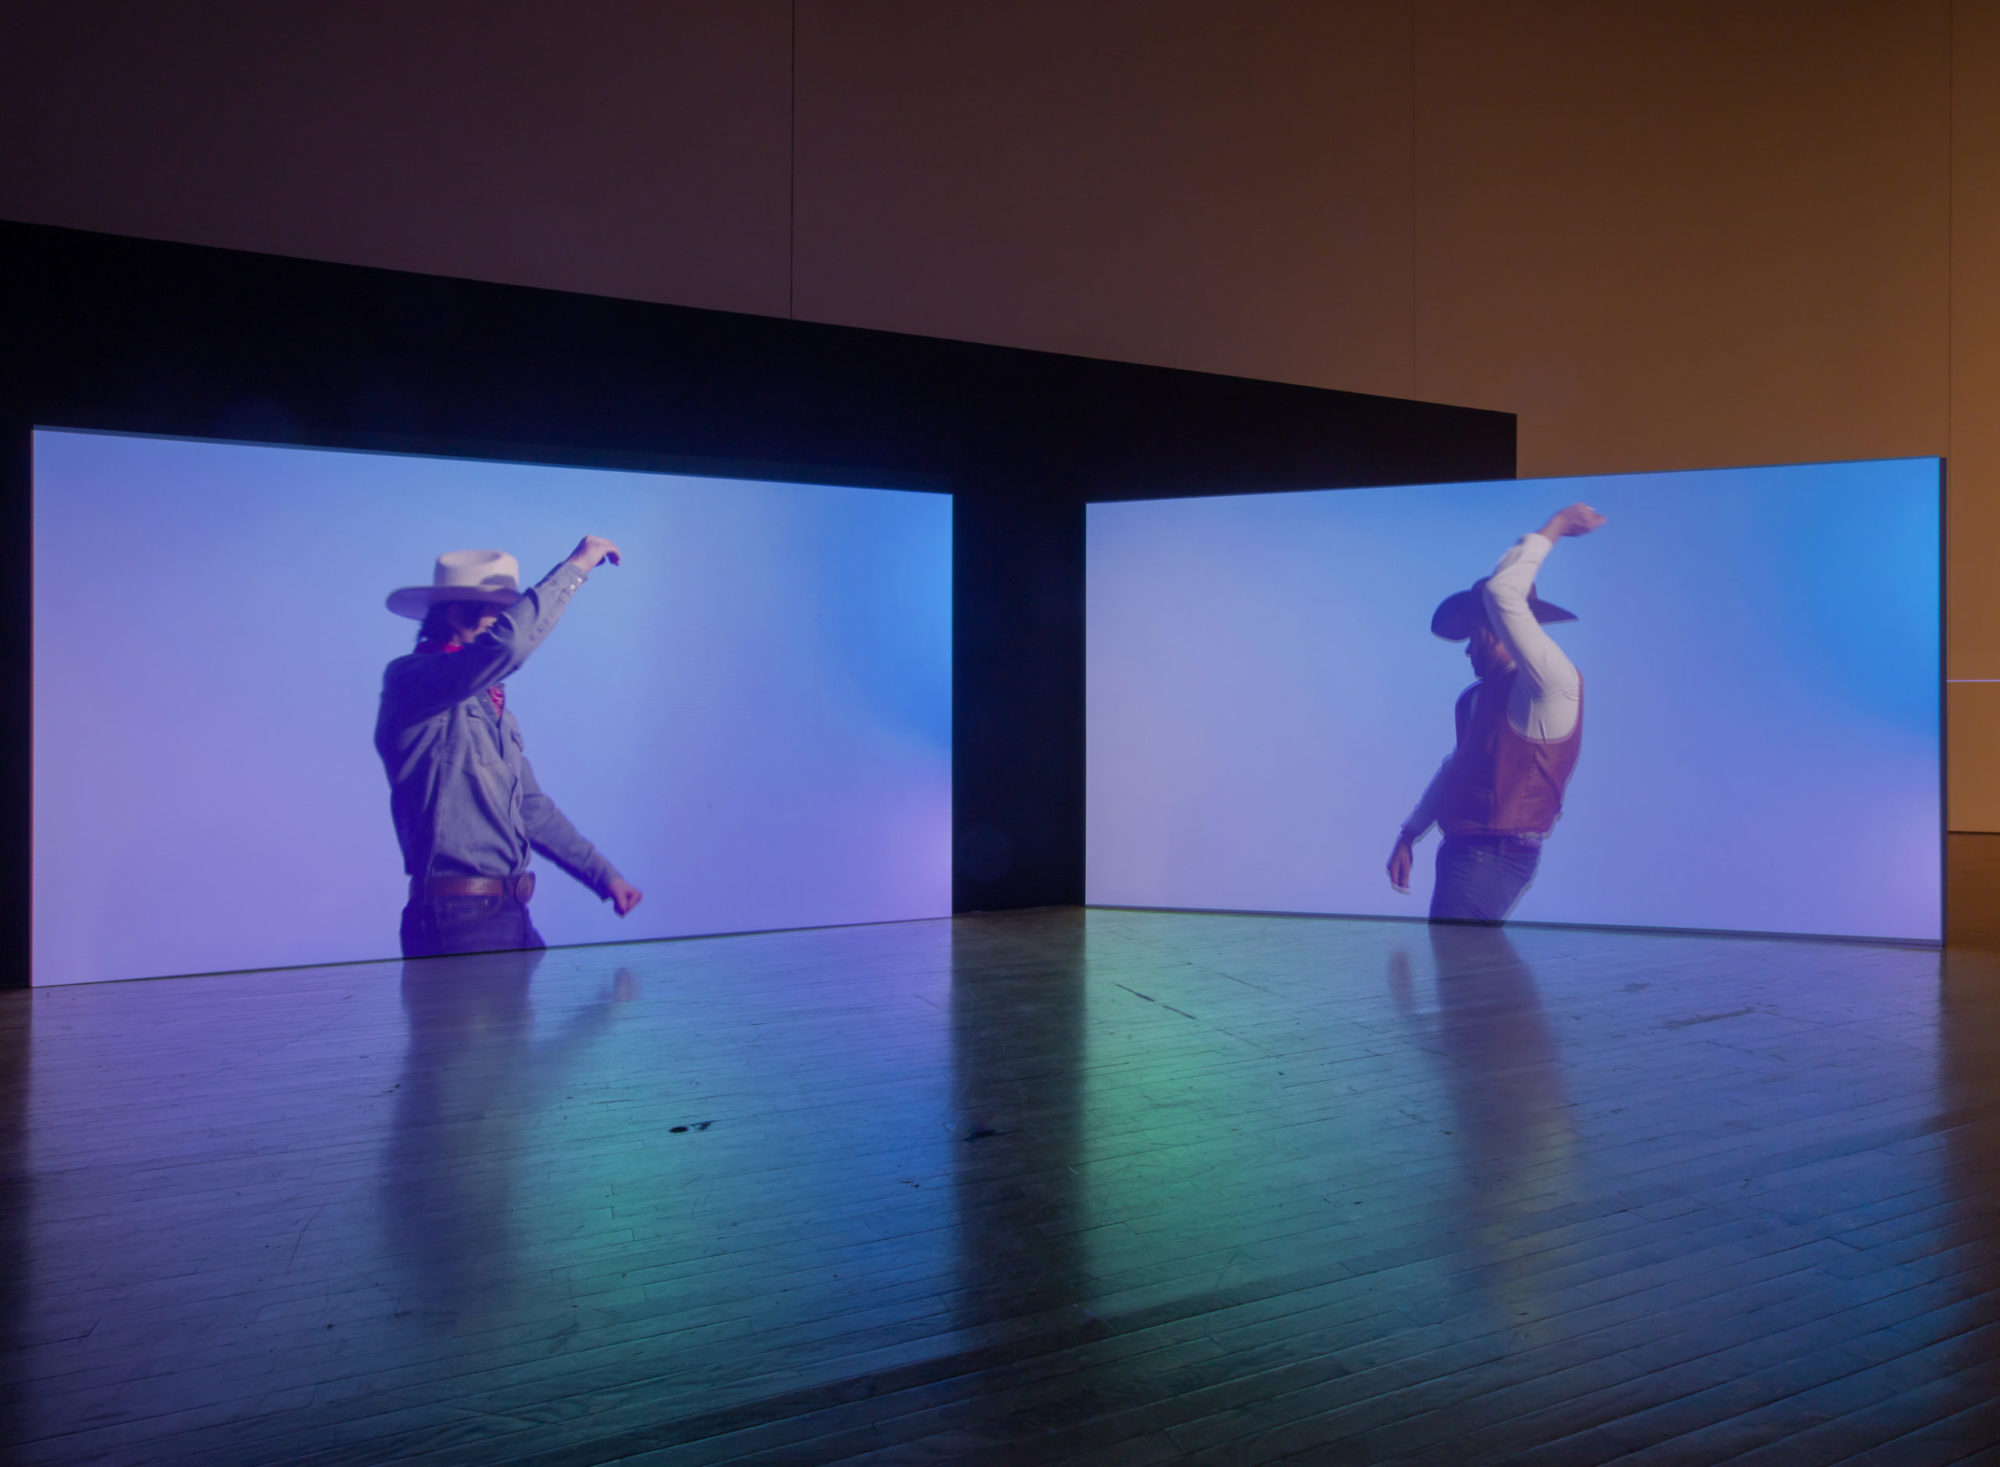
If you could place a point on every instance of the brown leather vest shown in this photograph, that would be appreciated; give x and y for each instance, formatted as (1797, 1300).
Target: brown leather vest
(1499, 782)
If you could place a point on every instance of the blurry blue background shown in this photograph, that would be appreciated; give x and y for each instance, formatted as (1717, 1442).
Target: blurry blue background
(1760, 653)
(751, 716)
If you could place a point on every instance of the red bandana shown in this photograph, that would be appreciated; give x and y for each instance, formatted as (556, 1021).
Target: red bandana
(498, 692)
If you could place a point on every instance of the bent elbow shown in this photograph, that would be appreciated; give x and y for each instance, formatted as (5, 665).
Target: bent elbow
(508, 638)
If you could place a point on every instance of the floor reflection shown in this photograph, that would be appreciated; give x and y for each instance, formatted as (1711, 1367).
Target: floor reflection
(1137, 1186)
(1510, 1120)
(16, 1202)
(1017, 1033)
(1969, 1113)
(474, 1080)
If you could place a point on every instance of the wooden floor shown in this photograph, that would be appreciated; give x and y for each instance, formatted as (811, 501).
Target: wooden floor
(1104, 1187)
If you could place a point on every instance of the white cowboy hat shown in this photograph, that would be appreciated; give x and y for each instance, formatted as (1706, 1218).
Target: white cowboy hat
(489, 576)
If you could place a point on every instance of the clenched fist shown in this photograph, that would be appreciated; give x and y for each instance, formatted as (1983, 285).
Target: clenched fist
(1577, 519)
(591, 550)
(1401, 860)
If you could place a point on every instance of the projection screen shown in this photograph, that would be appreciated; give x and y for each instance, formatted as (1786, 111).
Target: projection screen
(750, 716)
(1758, 678)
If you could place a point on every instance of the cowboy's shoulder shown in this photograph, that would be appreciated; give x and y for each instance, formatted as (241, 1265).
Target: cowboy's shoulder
(413, 672)
(402, 668)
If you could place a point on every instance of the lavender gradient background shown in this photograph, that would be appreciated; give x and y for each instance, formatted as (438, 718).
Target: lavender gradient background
(1760, 651)
(751, 716)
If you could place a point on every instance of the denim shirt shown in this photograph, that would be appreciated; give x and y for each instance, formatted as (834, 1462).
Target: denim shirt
(461, 791)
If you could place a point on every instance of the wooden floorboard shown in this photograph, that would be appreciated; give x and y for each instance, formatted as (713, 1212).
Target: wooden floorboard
(1100, 1187)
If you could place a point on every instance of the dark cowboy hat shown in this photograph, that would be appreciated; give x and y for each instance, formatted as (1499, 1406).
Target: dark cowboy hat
(1461, 611)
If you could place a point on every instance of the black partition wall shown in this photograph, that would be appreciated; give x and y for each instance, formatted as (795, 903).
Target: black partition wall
(116, 334)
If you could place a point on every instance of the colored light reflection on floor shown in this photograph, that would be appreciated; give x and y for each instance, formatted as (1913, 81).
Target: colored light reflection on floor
(1033, 1184)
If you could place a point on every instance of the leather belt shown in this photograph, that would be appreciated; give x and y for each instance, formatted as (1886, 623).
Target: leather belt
(519, 887)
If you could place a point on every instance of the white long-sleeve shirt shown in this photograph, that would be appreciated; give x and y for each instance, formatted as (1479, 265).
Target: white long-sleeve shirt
(1547, 697)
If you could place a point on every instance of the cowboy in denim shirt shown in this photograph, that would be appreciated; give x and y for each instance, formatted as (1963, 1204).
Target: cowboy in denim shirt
(465, 801)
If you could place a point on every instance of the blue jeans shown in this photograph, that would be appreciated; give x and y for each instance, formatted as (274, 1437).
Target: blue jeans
(1480, 878)
(438, 925)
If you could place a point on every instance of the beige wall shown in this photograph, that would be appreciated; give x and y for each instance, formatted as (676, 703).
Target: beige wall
(1973, 408)
(1666, 234)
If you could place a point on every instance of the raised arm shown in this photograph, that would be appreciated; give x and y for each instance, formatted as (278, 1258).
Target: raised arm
(422, 686)
(1550, 687)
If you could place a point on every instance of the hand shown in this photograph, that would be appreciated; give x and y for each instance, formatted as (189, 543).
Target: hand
(624, 897)
(593, 549)
(1577, 519)
(1400, 861)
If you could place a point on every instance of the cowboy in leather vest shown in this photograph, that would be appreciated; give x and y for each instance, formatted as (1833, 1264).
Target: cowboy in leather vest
(1499, 793)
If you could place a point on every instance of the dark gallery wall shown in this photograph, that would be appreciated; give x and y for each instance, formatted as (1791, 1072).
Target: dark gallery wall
(1669, 235)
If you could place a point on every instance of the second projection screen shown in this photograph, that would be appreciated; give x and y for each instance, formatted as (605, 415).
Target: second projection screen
(1716, 709)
